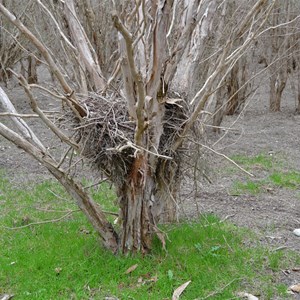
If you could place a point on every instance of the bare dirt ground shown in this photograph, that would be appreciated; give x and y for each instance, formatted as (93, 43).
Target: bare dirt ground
(273, 214)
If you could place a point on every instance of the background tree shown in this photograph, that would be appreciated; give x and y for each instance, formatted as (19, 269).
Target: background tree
(277, 51)
(132, 97)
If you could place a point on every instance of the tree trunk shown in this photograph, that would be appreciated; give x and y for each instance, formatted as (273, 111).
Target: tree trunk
(219, 110)
(145, 200)
(298, 86)
(277, 85)
(232, 88)
(32, 70)
(135, 209)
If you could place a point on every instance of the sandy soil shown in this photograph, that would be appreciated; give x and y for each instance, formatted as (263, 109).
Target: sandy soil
(273, 214)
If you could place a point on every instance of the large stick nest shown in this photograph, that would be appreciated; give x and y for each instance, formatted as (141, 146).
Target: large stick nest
(105, 132)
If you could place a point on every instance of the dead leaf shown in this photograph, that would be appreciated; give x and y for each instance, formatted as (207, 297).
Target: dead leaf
(57, 270)
(248, 296)
(131, 269)
(140, 280)
(84, 231)
(180, 290)
(295, 288)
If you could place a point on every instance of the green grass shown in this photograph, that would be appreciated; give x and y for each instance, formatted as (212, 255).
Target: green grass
(64, 260)
(278, 176)
(248, 187)
(262, 160)
(289, 180)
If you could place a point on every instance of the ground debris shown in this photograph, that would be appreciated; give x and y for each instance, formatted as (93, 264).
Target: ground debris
(295, 288)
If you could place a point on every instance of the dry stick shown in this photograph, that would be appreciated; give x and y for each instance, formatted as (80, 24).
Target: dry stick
(144, 23)
(110, 213)
(54, 210)
(56, 195)
(47, 91)
(43, 117)
(64, 157)
(115, 73)
(233, 123)
(7, 114)
(56, 24)
(224, 237)
(129, 144)
(25, 130)
(219, 290)
(95, 184)
(226, 157)
(42, 222)
(173, 18)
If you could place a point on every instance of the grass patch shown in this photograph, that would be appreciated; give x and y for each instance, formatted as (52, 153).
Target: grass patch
(278, 177)
(249, 187)
(289, 180)
(63, 261)
(264, 161)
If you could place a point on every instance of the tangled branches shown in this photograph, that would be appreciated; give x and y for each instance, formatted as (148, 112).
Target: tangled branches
(107, 135)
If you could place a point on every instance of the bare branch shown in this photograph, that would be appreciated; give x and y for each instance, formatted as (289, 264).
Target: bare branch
(43, 117)
(137, 78)
(227, 158)
(7, 114)
(16, 118)
(42, 222)
(83, 47)
(56, 24)
(73, 102)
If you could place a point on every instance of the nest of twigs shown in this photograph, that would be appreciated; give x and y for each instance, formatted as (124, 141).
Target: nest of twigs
(107, 130)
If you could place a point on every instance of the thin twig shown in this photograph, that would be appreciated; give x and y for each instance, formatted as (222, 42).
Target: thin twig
(57, 25)
(95, 184)
(41, 222)
(280, 248)
(7, 114)
(54, 210)
(229, 159)
(110, 213)
(56, 195)
(224, 237)
(219, 290)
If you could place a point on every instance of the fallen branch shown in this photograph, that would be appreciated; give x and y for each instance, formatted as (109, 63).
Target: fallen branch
(42, 222)
(7, 114)
(227, 158)
(219, 291)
